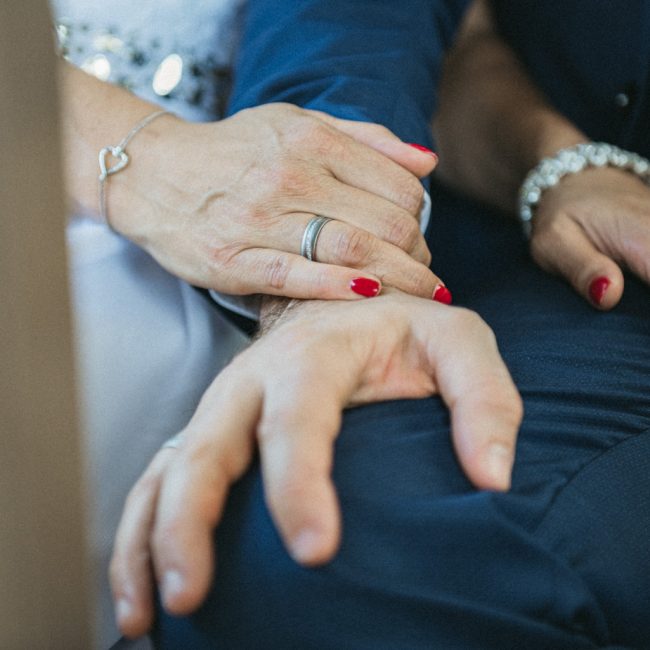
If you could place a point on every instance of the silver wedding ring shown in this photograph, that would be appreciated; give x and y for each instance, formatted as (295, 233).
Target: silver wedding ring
(310, 237)
(173, 443)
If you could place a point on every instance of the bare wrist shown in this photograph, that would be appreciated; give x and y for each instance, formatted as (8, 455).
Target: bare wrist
(550, 132)
(276, 310)
(141, 193)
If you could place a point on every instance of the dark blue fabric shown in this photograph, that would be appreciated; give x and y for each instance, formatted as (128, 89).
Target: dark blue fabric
(370, 60)
(583, 54)
(560, 562)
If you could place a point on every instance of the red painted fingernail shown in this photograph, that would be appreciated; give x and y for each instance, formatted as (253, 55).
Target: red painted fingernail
(419, 147)
(442, 294)
(598, 288)
(365, 287)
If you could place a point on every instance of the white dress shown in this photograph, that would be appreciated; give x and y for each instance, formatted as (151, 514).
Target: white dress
(147, 343)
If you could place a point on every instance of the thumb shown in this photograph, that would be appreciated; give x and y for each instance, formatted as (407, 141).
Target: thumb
(416, 158)
(568, 251)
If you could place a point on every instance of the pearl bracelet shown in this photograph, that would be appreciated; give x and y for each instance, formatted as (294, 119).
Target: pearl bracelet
(573, 160)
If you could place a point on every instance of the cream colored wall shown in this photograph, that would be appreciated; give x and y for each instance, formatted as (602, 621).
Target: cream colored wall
(43, 600)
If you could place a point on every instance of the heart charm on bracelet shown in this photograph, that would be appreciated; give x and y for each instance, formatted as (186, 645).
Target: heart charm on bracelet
(115, 152)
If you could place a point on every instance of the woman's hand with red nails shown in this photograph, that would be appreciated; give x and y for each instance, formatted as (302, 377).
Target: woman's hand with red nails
(589, 227)
(224, 205)
(284, 397)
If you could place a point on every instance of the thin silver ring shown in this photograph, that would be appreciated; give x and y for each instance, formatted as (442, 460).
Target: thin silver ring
(173, 443)
(310, 236)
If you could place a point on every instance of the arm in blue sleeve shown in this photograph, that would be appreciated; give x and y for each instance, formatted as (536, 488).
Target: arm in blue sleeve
(369, 60)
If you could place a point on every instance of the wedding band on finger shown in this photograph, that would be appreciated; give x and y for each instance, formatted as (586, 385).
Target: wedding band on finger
(310, 236)
(173, 443)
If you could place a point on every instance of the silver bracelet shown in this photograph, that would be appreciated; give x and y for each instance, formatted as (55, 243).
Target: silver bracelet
(573, 160)
(121, 158)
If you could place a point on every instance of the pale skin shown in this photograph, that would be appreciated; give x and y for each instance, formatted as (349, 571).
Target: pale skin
(223, 205)
(284, 397)
(494, 125)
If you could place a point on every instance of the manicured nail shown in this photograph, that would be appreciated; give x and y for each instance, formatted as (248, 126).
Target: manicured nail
(306, 546)
(123, 610)
(426, 150)
(598, 289)
(365, 287)
(499, 465)
(173, 585)
(442, 294)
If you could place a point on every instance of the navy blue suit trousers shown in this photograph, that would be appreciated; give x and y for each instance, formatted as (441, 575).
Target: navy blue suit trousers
(559, 562)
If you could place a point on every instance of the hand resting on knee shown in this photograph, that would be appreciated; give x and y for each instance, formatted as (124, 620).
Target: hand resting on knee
(284, 397)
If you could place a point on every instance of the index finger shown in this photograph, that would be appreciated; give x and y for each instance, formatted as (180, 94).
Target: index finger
(417, 159)
(361, 166)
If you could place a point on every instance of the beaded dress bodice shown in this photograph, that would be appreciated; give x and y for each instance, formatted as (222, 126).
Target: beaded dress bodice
(172, 52)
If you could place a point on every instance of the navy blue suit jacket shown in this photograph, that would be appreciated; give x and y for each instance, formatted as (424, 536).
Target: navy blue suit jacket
(592, 60)
(370, 60)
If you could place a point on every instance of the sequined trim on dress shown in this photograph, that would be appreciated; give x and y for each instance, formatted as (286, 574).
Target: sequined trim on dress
(131, 62)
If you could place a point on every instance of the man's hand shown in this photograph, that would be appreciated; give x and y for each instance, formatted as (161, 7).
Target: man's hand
(284, 396)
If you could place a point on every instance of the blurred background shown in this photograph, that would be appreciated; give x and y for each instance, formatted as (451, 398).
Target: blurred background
(44, 579)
